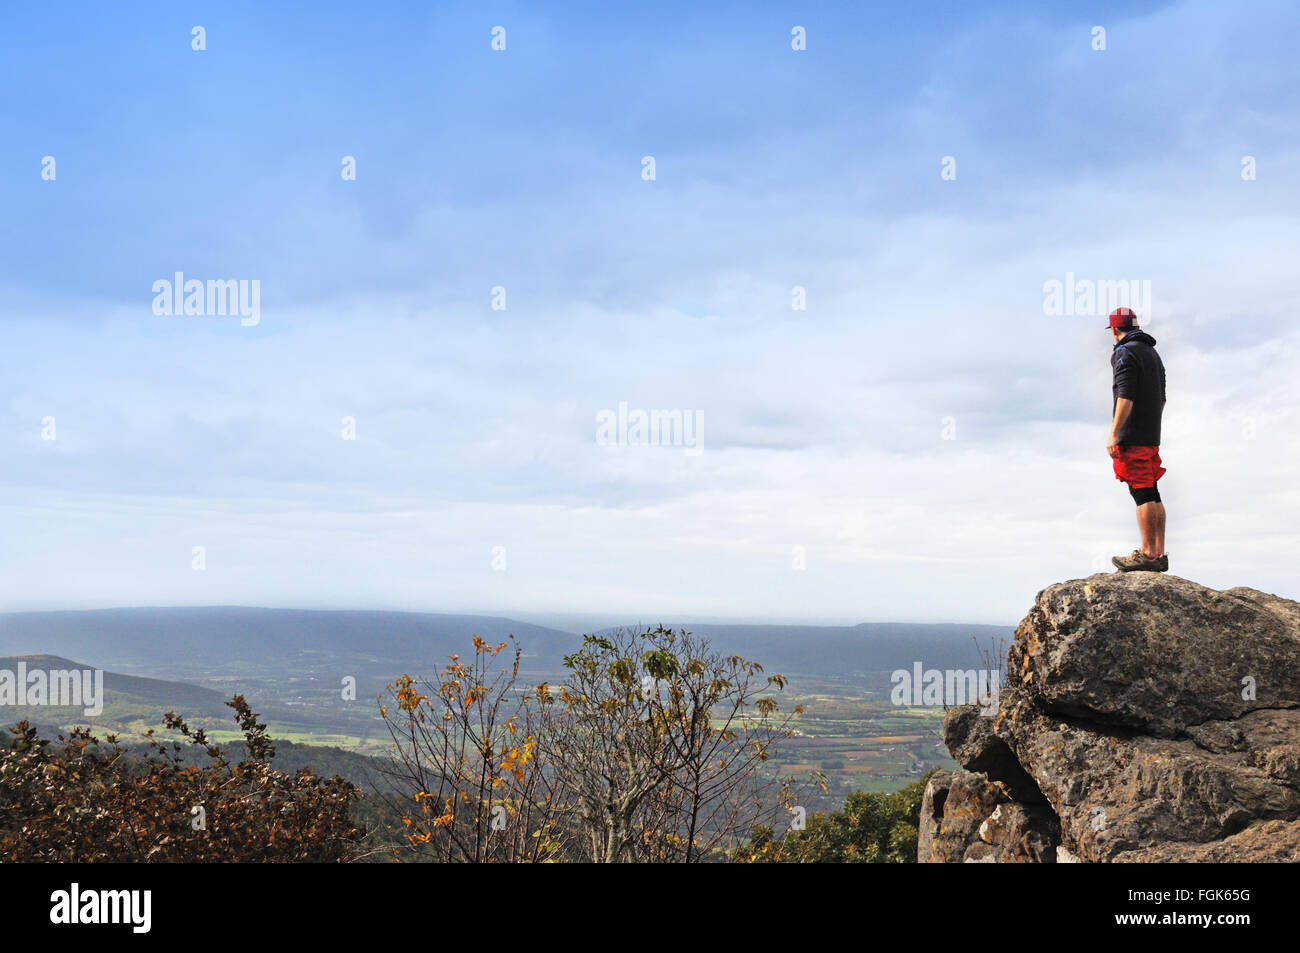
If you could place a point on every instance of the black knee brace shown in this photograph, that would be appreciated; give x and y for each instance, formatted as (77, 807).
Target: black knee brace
(1145, 494)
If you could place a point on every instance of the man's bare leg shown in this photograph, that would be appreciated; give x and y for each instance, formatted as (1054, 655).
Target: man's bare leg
(1151, 523)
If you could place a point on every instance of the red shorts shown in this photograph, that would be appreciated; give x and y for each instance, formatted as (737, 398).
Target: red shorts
(1138, 466)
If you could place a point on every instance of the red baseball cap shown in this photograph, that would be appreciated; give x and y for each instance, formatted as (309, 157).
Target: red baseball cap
(1123, 318)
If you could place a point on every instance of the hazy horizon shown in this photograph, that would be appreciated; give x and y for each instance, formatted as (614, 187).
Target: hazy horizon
(562, 621)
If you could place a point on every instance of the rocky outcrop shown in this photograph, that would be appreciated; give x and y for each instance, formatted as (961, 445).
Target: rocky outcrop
(967, 818)
(1144, 718)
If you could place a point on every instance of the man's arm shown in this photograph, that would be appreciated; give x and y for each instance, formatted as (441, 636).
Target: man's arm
(1123, 407)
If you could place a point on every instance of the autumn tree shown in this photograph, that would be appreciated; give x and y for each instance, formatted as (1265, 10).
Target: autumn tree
(648, 749)
(466, 777)
(662, 744)
(80, 799)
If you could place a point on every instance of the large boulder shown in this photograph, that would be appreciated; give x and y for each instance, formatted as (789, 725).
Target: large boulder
(1145, 718)
(1156, 653)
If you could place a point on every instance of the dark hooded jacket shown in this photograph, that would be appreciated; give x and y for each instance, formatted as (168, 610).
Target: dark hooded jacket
(1139, 375)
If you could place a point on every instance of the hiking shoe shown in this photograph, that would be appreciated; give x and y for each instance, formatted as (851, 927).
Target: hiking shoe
(1162, 564)
(1136, 562)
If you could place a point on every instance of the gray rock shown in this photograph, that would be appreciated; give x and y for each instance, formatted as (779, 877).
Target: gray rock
(971, 739)
(1126, 732)
(1156, 653)
(933, 800)
(1022, 834)
(1271, 842)
(1116, 793)
(953, 807)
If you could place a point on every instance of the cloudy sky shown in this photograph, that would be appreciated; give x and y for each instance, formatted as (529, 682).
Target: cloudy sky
(924, 441)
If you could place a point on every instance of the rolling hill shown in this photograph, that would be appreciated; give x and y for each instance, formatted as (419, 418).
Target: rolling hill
(129, 701)
(212, 641)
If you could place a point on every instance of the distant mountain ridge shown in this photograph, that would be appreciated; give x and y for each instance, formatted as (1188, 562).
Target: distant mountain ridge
(210, 642)
(854, 649)
(230, 639)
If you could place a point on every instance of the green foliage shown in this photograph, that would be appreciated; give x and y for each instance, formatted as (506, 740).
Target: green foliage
(869, 828)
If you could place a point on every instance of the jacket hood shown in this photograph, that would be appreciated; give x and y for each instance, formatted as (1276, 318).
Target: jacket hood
(1136, 337)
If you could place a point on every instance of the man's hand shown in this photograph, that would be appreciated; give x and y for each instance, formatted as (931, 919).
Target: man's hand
(1112, 446)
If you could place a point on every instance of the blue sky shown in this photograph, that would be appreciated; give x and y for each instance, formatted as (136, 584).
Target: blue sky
(923, 439)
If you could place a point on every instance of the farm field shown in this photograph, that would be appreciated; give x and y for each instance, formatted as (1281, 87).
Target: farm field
(851, 733)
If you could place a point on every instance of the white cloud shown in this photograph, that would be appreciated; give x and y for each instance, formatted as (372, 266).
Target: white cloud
(822, 428)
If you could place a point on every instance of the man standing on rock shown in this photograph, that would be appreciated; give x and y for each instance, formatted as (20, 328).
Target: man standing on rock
(1134, 444)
